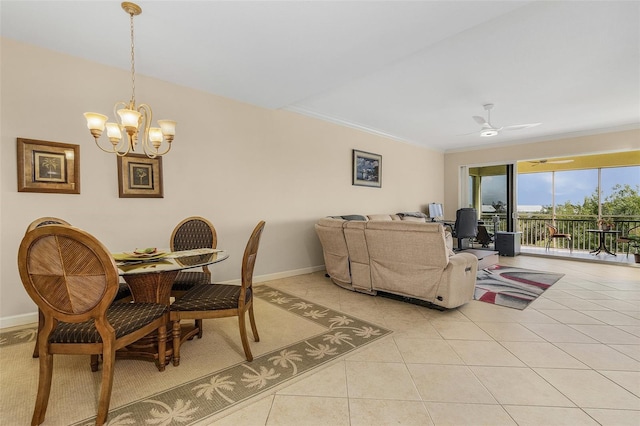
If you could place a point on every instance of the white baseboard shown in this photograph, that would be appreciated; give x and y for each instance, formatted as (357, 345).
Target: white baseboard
(6, 322)
(279, 275)
(17, 320)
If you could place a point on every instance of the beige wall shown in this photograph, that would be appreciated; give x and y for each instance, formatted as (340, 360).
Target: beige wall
(231, 162)
(621, 141)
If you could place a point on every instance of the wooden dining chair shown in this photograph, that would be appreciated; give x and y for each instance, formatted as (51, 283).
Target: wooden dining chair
(554, 234)
(221, 300)
(192, 233)
(73, 279)
(123, 294)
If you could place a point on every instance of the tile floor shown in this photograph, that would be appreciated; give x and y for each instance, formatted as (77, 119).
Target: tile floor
(571, 358)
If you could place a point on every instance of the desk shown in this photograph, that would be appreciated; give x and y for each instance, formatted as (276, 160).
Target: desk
(151, 281)
(602, 246)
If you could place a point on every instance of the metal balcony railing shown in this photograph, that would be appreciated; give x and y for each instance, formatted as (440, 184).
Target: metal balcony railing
(534, 230)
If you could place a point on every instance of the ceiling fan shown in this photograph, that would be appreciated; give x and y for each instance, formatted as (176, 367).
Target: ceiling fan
(489, 129)
(536, 162)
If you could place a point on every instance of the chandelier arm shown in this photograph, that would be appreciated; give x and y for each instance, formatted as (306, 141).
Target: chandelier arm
(115, 149)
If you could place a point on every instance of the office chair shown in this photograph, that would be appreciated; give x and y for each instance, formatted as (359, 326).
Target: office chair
(466, 226)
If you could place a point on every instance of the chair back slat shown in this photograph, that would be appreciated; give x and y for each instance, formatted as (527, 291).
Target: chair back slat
(192, 233)
(67, 272)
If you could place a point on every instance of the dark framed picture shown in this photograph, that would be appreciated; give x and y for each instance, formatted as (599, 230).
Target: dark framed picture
(367, 169)
(48, 167)
(140, 176)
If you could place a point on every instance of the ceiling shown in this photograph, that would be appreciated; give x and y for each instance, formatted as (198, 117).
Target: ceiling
(416, 71)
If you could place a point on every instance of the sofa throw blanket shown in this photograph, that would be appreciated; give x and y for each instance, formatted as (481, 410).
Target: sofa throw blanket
(413, 214)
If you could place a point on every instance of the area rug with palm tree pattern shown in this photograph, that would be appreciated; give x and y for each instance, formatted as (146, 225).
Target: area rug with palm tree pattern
(205, 393)
(512, 287)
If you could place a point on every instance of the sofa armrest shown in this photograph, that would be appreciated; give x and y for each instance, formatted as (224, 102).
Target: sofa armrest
(458, 281)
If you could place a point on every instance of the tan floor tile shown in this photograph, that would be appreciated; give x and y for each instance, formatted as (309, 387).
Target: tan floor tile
(308, 411)
(630, 350)
(422, 351)
(449, 414)
(509, 332)
(330, 381)
(542, 354)
(613, 318)
(559, 333)
(460, 330)
(549, 416)
(373, 412)
(384, 350)
(614, 417)
(600, 356)
(449, 383)
(379, 380)
(251, 415)
(608, 334)
(630, 380)
(421, 328)
(484, 353)
(519, 386)
(569, 316)
(580, 305)
(589, 389)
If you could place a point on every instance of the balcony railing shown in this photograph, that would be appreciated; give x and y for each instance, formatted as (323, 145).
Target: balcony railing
(534, 230)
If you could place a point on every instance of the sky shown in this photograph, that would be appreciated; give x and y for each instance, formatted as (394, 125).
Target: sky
(574, 185)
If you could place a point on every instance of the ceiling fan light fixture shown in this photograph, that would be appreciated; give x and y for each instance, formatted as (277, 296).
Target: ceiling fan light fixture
(488, 133)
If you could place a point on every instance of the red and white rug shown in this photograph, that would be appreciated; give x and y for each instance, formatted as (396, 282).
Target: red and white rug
(512, 287)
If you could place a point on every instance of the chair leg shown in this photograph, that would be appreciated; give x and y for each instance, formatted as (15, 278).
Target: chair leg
(243, 336)
(162, 347)
(44, 389)
(252, 320)
(95, 360)
(199, 325)
(176, 342)
(40, 325)
(108, 361)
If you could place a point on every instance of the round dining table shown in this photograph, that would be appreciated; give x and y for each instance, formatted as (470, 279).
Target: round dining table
(602, 244)
(150, 279)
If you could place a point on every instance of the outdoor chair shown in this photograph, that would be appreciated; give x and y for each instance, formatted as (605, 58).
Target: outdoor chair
(123, 294)
(73, 279)
(631, 239)
(554, 234)
(221, 300)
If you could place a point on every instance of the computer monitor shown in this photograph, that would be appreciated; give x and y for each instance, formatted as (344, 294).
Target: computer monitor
(435, 211)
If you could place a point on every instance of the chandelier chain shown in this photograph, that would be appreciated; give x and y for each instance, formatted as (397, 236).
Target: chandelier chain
(133, 66)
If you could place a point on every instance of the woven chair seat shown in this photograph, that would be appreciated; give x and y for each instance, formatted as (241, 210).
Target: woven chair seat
(210, 297)
(186, 280)
(123, 317)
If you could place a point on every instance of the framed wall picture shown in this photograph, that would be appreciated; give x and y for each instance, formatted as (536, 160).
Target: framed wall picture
(48, 167)
(140, 176)
(367, 169)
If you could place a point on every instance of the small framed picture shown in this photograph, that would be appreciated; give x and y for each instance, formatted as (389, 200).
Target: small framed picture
(48, 167)
(367, 169)
(140, 176)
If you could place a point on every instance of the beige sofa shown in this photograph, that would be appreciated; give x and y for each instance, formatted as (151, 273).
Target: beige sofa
(399, 255)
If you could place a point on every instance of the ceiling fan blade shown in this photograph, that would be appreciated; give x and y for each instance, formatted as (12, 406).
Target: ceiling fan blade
(521, 126)
(479, 120)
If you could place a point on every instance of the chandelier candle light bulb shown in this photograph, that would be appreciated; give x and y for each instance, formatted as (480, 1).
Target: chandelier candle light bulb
(135, 121)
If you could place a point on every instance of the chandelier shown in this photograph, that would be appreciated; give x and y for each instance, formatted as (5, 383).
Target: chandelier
(134, 120)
